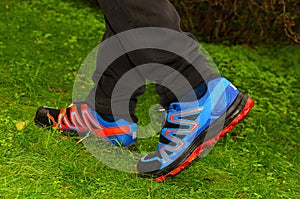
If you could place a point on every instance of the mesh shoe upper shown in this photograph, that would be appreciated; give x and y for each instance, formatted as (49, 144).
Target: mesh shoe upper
(82, 119)
(186, 121)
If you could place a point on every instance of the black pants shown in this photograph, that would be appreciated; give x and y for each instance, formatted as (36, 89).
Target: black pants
(123, 15)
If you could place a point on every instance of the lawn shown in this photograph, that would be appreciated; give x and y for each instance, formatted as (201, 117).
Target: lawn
(42, 45)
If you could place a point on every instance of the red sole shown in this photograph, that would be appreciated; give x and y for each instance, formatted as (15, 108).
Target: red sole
(200, 149)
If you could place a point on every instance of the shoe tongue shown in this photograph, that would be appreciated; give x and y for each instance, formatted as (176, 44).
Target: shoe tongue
(195, 94)
(108, 118)
(182, 106)
(190, 100)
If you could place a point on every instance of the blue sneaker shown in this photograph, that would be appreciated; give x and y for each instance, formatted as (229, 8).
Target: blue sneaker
(191, 127)
(82, 119)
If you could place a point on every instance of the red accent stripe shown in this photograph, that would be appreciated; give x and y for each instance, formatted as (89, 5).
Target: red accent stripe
(88, 122)
(111, 131)
(76, 119)
(53, 120)
(100, 130)
(116, 130)
(201, 148)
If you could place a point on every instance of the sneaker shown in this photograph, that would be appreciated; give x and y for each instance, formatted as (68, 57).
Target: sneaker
(191, 127)
(82, 119)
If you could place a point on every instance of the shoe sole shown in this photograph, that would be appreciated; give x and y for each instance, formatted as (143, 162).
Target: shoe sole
(240, 109)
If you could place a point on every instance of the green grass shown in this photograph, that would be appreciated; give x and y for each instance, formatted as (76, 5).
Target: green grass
(43, 43)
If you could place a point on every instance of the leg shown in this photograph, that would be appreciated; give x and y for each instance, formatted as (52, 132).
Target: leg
(122, 15)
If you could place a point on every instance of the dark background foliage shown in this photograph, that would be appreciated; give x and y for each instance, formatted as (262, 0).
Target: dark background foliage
(240, 22)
